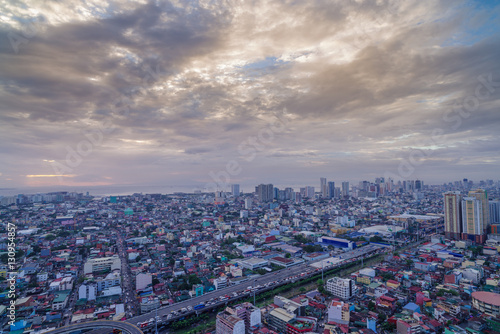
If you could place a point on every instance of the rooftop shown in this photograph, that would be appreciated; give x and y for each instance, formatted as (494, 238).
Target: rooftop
(487, 297)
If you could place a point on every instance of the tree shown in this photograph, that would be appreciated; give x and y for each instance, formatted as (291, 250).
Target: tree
(63, 234)
(388, 326)
(50, 237)
(287, 255)
(194, 279)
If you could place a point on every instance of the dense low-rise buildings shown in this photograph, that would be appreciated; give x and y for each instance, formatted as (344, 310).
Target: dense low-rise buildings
(140, 250)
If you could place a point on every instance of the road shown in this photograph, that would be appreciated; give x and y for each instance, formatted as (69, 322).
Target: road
(279, 276)
(129, 297)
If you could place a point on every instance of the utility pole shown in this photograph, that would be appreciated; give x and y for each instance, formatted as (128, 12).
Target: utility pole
(253, 293)
(156, 319)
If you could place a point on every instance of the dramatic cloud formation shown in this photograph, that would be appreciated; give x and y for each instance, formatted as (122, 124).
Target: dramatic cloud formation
(168, 93)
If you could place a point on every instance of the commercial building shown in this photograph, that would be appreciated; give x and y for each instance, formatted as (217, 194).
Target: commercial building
(228, 323)
(343, 288)
(253, 263)
(453, 215)
(102, 264)
(487, 302)
(338, 242)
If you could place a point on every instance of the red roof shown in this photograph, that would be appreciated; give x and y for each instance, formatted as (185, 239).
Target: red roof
(487, 297)
(282, 259)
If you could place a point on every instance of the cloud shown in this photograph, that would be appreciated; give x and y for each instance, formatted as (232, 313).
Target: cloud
(174, 89)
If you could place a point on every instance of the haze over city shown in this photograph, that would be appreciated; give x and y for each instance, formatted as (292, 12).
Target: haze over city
(151, 93)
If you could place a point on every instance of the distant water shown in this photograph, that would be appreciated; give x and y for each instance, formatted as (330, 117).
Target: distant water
(122, 190)
(101, 190)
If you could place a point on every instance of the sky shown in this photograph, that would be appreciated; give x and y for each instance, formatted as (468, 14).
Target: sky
(206, 93)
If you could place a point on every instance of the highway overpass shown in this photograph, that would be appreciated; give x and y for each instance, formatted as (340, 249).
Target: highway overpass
(278, 276)
(92, 325)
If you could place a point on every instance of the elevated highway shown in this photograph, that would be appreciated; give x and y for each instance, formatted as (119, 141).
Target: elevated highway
(92, 325)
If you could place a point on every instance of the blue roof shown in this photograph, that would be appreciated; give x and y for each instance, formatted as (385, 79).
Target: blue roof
(412, 306)
(21, 324)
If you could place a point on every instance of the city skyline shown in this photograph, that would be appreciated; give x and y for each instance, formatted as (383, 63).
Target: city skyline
(130, 94)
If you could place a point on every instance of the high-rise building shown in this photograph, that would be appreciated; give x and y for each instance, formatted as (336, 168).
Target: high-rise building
(331, 189)
(310, 192)
(323, 188)
(220, 197)
(248, 203)
(297, 197)
(494, 212)
(250, 315)
(228, 323)
(345, 189)
(453, 215)
(265, 192)
(235, 189)
(343, 288)
(276, 193)
(482, 195)
(472, 220)
(289, 193)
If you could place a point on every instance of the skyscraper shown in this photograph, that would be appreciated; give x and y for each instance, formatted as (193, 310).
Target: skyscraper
(331, 189)
(472, 220)
(323, 188)
(481, 195)
(310, 192)
(452, 215)
(494, 212)
(345, 189)
(265, 192)
(235, 189)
